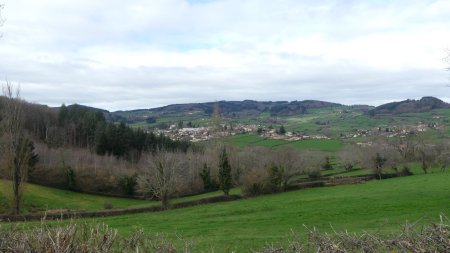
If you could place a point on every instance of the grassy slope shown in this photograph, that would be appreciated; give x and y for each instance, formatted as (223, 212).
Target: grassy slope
(39, 198)
(244, 140)
(253, 222)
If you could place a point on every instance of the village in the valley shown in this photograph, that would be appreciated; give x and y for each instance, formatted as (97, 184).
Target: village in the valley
(204, 133)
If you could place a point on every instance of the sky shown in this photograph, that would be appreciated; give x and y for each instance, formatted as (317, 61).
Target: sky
(120, 55)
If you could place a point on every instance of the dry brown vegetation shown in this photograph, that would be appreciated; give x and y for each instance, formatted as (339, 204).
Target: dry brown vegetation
(431, 238)
(77, 237)
(257, 170)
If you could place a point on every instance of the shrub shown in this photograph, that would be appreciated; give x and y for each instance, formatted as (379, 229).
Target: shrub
(100, 238)
(314, 174)
(70, 177)
(431, 238)
(327, 165)
(107, 205)
(253, 189)
(254, 183)
(128, 184)
(83, 238)
(405, 171)
(275, 179)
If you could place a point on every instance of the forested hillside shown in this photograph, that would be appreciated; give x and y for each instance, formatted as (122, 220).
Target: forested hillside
(425, 104)
(76, 148)
(85, 127)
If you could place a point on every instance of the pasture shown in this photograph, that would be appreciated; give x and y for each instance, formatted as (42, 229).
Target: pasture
(251, 223)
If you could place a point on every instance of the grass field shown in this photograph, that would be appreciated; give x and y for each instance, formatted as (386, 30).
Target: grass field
(251, 223)
(245, 140)
(41, 198)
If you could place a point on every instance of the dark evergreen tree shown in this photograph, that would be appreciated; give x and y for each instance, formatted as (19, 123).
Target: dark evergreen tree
(209, 184)
(327, 165)
(282, 131)
(275, 178)
(225, 183)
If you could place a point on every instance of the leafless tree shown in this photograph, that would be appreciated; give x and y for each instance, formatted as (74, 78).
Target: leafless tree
(379, 157)
(290, 161)
(312, 162)
(161, 176)
(348, 157)
(443, 157)
(15, 145)
(405, 147)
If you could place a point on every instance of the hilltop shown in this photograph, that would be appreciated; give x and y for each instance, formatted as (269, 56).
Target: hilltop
(424, 104)
(252, 108)
(233, 109)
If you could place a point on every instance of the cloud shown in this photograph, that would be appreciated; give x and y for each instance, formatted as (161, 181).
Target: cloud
(141, 54)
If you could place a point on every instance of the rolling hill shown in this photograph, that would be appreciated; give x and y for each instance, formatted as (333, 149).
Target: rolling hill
(251, 108)
(424, 104)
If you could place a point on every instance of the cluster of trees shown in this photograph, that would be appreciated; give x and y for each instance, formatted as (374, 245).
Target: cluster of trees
(164, 174)
(84, 127)
(17, 150)
(87, 128)
(259, 170)
(24, 125)
(396, 154)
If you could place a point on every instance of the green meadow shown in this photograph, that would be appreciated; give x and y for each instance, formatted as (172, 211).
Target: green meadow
(246, 140)
(376, 206)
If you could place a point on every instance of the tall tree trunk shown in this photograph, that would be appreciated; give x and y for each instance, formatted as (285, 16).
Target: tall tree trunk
(16, 188)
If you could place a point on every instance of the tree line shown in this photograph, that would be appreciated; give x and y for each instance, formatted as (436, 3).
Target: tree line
(80, 150)
(87, 128)
(24, 125)
(84, 127)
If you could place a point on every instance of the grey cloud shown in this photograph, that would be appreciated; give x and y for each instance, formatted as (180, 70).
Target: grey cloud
(49, 49)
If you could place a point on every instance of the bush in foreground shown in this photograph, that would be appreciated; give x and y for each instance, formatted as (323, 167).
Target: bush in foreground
(100, 238)
(431, 238)
(81, 238)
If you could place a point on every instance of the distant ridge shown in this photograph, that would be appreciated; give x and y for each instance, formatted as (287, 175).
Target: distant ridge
(274, 108)
(248, 107)
(424, 104)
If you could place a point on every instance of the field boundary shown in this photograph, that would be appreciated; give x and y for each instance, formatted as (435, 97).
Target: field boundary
(113, 212)
(64, 214)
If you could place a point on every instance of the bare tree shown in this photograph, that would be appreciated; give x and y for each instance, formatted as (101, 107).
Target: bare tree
(405, 147)
(16, 147)
(348, 157)
(289, 162)
(216, 120)
(443, 157)
(379, 157)
(160, 178)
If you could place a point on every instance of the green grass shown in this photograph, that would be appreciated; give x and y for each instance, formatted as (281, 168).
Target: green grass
(245, 140)
(204, 195)
(41, 198)
(251, 223)
(318, 144)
